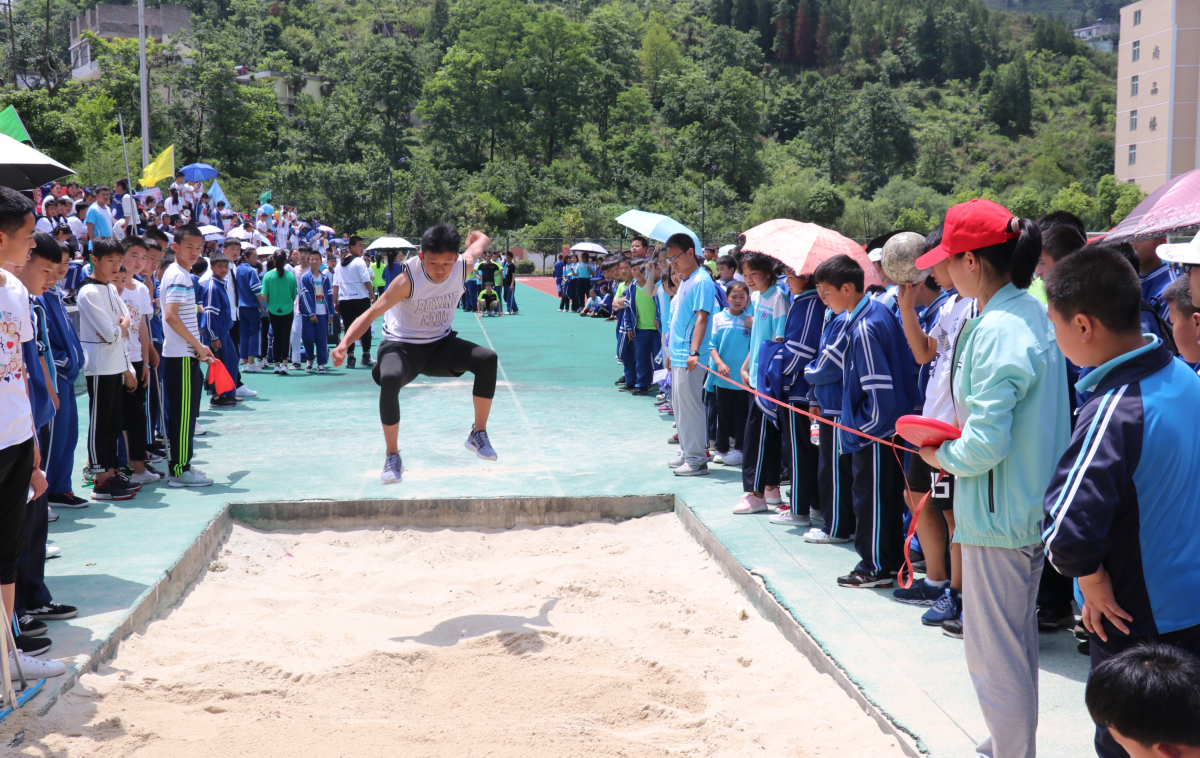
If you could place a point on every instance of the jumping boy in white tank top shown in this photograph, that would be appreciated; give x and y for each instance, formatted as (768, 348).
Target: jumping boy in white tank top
(418, 312)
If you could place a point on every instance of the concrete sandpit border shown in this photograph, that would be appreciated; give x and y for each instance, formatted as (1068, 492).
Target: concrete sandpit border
(485, 513)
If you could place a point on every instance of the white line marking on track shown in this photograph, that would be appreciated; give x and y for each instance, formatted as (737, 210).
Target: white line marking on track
(520, 409)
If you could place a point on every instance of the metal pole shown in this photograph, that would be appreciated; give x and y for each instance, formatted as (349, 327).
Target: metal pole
(703, 186)
(145, 92)
(125, 150)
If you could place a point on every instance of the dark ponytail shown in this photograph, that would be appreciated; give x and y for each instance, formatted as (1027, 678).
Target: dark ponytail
(279, 259)
(1017, 258)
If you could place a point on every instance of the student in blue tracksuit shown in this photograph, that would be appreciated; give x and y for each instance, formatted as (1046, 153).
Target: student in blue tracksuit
(152, 277)
(801, 339)
(1154, 275)
(251, 306)
(67, 354)
(215, 323)
(834, 476)
(879, 385)
(316, 294)
(1122, 512)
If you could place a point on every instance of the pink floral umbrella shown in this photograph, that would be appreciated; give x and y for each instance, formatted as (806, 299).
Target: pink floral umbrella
(802, 247)
(1172, 209)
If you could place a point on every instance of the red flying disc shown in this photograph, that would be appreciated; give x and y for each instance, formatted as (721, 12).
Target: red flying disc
(923, 431)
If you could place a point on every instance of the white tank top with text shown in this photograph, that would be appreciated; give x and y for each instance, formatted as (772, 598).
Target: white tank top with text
(427, 314)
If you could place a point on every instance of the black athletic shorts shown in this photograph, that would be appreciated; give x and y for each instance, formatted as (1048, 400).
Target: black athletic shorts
(920, 479)
(398, 363)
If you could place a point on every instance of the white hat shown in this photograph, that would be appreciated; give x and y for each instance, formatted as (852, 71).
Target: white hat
(875, 255)
(1185, 252)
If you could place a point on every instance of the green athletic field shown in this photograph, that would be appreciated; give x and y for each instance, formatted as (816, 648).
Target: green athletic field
(560, 428)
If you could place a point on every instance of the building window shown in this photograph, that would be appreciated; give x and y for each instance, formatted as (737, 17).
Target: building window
(1132, 121)
(1132, 154)
(1133, 86)
(1137, 18)
(1137, 51)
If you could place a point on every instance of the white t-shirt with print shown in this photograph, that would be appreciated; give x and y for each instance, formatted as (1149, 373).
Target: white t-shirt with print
(354, 281)
(137, 300)
(16, 326)
(939, 400)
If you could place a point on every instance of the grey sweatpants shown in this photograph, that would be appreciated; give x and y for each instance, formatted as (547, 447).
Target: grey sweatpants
(691, 421)
(1000, 637)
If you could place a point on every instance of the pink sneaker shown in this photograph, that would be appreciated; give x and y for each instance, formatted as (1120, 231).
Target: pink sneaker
(773, 496)
(750, 504)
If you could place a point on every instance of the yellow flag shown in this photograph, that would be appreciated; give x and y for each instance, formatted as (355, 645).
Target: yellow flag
(163, 167)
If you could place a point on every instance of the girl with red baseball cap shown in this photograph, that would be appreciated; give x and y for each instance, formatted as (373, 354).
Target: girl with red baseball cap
(1010, 399)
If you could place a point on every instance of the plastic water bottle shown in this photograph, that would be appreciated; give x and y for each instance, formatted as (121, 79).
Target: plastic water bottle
(814, 432)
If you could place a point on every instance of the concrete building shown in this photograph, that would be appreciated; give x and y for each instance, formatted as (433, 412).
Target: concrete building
(121, 22)
(288, 87)
(1158, 91)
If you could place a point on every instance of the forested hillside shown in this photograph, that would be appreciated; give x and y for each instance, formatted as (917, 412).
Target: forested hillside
(548, 120)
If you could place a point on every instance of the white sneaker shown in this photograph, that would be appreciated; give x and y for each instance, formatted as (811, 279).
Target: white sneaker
(190, 478)
(244, 391)
(717, 458)
(676, 462)
(732, 458)
(53, 551)
(250, 368)
(689, 470)
(819, 537)
(146, 477)
(787, 518)
(200, 431)
(282, 370)
(34, 668)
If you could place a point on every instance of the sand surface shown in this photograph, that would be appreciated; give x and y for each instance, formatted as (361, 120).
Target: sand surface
(593, 640)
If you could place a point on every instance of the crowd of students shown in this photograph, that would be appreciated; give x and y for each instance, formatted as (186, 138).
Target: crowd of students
(1069, 368)
(153, 305)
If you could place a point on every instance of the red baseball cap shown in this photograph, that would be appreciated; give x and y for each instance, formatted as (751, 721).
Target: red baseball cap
(969, 226)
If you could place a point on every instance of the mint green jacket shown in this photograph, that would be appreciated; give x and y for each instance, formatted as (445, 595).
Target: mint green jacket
(1009, 382)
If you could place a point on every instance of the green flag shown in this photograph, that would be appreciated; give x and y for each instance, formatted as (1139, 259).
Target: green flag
(265, 197)
(10, 124)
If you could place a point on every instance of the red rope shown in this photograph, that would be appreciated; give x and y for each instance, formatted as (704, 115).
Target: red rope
(912, 527)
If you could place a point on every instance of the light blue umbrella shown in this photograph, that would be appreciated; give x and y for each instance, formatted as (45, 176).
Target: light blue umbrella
(198, 172)
(217, 194)
(656, 226)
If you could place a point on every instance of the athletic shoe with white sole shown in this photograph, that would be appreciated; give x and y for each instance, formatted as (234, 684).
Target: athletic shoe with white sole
(32, 645)
(947, 607)
(676, 462)
(320, 369)
(773, 496)
(250, 368)
(865, 579)
(51, 516)
(244, 391)
(146, 477)
(790, 519)
(31, 627)
(732, 458)
(66, 500)
(819, 537)
(110, 491)
(688, 469)
(54, 612)
(34, 669)
(189, 478)
(478, 443)
(53, 551)
(393, 469)
(750, 503)
(200, 431)
(920, 593)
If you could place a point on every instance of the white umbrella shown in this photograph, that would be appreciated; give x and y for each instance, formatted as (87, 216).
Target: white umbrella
(726, 249)
(391, 243)
(238, 234)
(268, 250)
(323, 228)
(212, 233)
(23, 168)
(589, 247)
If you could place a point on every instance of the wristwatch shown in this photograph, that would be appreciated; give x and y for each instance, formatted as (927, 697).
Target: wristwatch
(695, 353)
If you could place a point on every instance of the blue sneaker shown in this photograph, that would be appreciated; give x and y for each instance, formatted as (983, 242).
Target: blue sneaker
(478, 443)
(947, 607)
(920, 593)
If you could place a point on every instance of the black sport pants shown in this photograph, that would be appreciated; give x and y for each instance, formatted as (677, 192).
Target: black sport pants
(400, 362)
(16, 469)
(104, 418)
(184, 382)
(349, 310)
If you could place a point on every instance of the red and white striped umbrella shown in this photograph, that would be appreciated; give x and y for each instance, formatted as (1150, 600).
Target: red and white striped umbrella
(802, 247)
(1171, 210)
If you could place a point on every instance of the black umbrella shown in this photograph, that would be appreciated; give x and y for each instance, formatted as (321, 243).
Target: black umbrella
(23, 168)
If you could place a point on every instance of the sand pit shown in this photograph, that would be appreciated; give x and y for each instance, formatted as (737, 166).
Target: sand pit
(594, 640)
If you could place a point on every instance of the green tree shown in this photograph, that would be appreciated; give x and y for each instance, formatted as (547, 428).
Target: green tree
(659, 56)
(879, 136)
(913, 220)
(616, 65)
(1010, 103)
(459, 112)
(1025, 202)
(558, 66)
(1072, 199)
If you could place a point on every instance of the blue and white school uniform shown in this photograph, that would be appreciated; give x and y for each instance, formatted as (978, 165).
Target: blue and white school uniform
(763, 447)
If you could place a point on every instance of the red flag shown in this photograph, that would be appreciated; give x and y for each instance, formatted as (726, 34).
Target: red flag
(219, 378)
